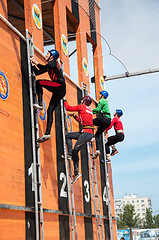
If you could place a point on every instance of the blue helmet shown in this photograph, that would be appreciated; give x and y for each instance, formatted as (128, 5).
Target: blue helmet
(119, 112)
(104, 93)
(55, 53)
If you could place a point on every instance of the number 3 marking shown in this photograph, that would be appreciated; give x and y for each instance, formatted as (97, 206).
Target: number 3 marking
(87, 196)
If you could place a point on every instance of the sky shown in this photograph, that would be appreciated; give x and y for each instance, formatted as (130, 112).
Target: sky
(131, 29)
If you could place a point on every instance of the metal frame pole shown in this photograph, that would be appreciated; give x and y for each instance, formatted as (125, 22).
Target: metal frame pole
(108, 191)
(33, 138)
(67, 177)
(131, 74)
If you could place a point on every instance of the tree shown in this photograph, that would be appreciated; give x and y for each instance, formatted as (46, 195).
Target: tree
(129, 218)
(148, 223)
(156, 219)
(121, 224)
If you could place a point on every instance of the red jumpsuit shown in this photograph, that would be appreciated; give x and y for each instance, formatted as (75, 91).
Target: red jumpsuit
(85, 115)
(119, 137)
(86, 120)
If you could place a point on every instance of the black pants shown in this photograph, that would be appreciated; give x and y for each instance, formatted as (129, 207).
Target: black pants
(58, 88)
(119, 137)
(103, 123)
(82, 139)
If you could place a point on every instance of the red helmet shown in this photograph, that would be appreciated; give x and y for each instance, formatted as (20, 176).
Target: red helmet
(87, 100)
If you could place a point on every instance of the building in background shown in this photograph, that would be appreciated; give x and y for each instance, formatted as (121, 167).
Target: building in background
(140, 204)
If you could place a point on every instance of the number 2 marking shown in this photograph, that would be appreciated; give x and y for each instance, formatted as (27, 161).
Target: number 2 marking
(63, 193)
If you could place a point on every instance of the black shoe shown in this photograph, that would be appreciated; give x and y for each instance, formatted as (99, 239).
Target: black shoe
(69, 157)
(44, 138)
(76, 177)
(108, 161)
(37, 106)
(114, 152)
(97, 153)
